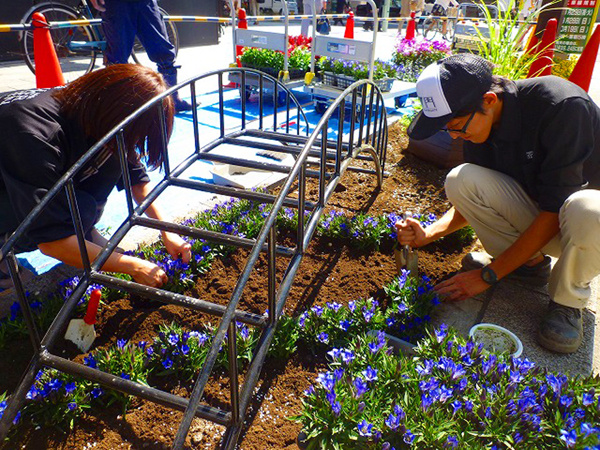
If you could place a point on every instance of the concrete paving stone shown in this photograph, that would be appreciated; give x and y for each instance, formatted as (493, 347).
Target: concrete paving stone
(459, 315)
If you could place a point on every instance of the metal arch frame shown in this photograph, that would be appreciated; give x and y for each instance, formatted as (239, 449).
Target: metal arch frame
(368, 133)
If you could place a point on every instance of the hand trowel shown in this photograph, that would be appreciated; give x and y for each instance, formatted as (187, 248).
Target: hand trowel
(81, 331)
(406, 257)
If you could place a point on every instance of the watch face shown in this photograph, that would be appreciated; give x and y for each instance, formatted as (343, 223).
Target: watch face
(488, 275)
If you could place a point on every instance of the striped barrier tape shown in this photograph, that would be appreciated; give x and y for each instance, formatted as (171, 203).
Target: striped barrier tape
(203, 19)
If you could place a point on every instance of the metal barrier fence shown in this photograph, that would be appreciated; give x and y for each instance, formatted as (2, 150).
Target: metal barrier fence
(361, 128)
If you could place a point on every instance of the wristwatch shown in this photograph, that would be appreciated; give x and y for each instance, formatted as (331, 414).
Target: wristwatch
(489, 276)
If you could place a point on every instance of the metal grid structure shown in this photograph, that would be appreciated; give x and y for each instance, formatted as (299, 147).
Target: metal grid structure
(317, 156)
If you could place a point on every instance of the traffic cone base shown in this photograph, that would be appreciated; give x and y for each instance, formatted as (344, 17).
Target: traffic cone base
(48, 73)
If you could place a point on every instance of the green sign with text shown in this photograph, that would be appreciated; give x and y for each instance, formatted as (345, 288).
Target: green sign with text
(577, 25)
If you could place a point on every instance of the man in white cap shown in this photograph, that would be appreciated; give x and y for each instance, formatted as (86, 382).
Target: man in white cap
(529, 187)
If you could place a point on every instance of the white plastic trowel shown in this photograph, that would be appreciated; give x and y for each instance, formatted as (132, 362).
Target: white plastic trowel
(81, 331)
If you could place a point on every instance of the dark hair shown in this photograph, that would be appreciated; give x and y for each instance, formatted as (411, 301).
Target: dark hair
(498, 87)
(99, 100)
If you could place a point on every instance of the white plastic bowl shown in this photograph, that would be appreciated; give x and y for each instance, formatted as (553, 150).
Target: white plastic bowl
(502, 330)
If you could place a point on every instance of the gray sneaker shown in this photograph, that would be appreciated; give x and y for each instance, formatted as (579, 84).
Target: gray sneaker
(537, 275)
(561, 329)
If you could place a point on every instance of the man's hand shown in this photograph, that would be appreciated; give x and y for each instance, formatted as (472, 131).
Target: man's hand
(462, 286)
(177, 247)
(99, 5)
(148, 273)
(411, 232)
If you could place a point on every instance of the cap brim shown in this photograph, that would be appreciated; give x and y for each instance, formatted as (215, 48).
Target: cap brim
(423, 127)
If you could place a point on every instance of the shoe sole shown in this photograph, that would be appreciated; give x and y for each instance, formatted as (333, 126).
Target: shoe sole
(555, 347)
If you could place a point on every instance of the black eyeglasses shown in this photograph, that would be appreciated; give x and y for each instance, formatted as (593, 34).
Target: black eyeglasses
(463, 130)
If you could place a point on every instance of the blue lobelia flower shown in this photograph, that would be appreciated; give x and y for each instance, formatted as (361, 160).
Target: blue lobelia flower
(441, 333)
(327, 380)
(54, 385)
(125, 376)
(70, 387)
(121, 343)
(72, 406)
(408, 437)
(360, 386)
(96, 392)
(469, 405)
(368, 313)
(402, 308)
(347, 356)
(323, 337)
(566, 401)
(352, 305)
(335, 353)
(185, 349)
(451, 442)
(456, 406)
(318, 310)
(167, 363)
(345, 324)
(310, 390)
(392, 422)
(370, 373)
(569, 438)
(588, 398)
(338, 374)
(426, 401)
(365, 428)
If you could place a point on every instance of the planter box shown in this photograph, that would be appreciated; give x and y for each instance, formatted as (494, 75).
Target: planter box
(343, 81)
(294, 73)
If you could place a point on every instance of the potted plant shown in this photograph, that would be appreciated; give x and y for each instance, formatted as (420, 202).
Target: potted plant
(341, 73)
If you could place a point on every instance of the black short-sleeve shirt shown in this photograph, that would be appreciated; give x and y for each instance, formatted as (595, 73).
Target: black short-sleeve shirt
(37, 146)
(548, 139)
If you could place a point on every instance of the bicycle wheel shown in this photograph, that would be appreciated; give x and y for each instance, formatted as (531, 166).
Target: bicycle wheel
(139, 55)
(74, 60)
(431, 28)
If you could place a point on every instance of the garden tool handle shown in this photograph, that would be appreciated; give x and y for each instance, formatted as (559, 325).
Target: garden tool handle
(92, 308)
(406, 248)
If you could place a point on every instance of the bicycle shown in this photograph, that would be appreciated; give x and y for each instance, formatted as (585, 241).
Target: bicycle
(78, 47)
(432, 26)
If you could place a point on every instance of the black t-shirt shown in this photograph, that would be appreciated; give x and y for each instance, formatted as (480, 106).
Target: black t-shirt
(37, 147)
(548, 139)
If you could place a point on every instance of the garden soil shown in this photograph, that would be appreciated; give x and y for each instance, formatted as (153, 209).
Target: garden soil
(330, 271)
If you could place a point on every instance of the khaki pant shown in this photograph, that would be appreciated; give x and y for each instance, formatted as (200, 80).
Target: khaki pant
(499, 210)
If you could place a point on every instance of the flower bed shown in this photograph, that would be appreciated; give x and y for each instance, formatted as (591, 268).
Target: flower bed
(451, 395)
(345, 287)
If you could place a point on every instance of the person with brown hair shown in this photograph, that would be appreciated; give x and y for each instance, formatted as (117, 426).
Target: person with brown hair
(46, 131)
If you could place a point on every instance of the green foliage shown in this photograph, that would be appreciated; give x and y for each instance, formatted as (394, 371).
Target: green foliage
(58, 399)
(299, 58)
(124, 359)
(177, 352)
(285, 339)
(507, 35)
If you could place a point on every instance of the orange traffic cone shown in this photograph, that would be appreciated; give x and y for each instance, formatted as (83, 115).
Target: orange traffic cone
(532, 43)
(582, 73)
(47, 68)
(543, 64)
(411, 27)
(349, 33)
